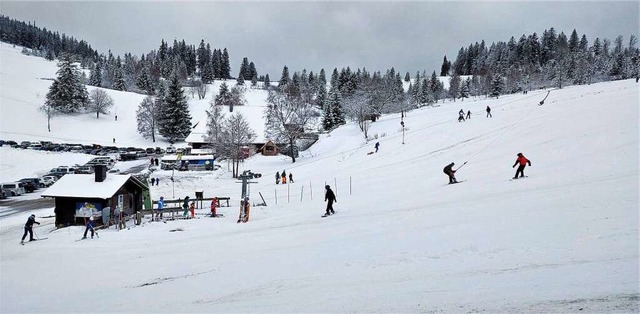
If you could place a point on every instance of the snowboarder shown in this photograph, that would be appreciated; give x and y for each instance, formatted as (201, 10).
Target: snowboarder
(89, 227)
(278, 177)
(160, 207)
(523, 161)
(469, 114)
(290, 177)
(329, 197)
(461, 115)
(28, 228)
(448, 170)
(489, 112)
(377, 146)
(284, 177)
(185, 206)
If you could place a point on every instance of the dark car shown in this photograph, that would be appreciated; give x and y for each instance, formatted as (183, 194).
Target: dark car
(28, 187)
(34, 182)
(13, 144)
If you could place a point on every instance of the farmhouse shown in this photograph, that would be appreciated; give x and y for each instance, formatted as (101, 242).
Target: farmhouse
(78, 196)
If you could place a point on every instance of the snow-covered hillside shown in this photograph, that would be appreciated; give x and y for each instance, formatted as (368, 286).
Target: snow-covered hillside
(565, 239)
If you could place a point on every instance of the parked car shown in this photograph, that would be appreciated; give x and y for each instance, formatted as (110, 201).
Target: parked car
(47, 181)
(28, 186)
(35, 146)
(87, 169)
(13, 188)
(159, 151)
(170, 150)
(3, 194)
(150, 150)
(25, 144)
(13, 144)
(34, 181)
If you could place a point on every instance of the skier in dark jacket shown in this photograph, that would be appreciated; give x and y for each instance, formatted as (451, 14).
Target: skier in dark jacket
(278, 177)
(523, 161)
(448, 170)
(461, 115)
(489, 112)
(89, 227)
(329, 197)
(28, 228)
(185, 206)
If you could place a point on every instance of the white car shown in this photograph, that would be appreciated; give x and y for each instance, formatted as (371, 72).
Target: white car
(170, 150)
(13, 188)
(47, 181)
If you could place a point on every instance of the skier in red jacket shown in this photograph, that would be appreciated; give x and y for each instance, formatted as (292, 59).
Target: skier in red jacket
(523, 161)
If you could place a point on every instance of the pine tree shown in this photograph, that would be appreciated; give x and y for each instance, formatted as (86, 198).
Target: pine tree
(225, 65)
(175, 120)
(244, 69)
(267, 82)
(118, 83)
(284, 78)
(496, 86)
(67, 94)
(144, 82)
(240, 80)
(252, 70)
(95, 78)
(446, 66)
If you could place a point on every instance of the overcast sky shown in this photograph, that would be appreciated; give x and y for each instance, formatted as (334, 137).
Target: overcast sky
(409, 36)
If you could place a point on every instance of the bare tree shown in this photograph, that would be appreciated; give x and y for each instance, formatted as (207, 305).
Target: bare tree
(287, 118)
(147, 117)
(359, 108)
(236, 134)
(215, 125)
(100, 101)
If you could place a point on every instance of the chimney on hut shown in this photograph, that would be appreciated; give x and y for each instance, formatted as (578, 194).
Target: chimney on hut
(100, 172)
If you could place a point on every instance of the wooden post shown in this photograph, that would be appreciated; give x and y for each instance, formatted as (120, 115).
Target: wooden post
(301, 193)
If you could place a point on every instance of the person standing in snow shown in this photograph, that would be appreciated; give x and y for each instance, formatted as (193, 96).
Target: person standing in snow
(284, 177)
(278, 177)
(28, 228)
(185, 206)
(290, 177)
(89, 227)
(489, 112)
(160, 207)
(329, 197)
(469, 114)
(377, 146)
(214, 205)
(461, 115)
(448, 170)
(523, 161)
(192, 209)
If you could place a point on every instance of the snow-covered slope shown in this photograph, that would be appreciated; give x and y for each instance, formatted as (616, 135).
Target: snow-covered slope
(565, 239)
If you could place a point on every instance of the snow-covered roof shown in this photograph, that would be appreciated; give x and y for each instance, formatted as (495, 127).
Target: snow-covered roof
(85, 185)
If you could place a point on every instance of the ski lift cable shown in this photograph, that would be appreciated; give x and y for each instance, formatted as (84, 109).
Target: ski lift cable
(503, 132)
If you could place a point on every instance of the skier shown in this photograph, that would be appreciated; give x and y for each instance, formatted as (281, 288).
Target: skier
(28, 227)
(377, 146)
(469, 114)
(214, 205)
(448, 170)
(160, 207)
(290, 177)
(523, 161)
(89, 227)
(461, 115)
(192, 209)
(284, 177)
(185, 206)
(329, 197)
(489, 112)
(277, 177)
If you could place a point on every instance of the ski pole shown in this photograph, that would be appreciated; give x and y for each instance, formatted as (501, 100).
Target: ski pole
(462, 165)
(35, 234)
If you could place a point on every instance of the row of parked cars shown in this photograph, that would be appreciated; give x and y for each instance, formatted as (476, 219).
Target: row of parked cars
(125, 153)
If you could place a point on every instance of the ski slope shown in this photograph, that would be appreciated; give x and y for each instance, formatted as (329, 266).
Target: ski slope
(565, 239)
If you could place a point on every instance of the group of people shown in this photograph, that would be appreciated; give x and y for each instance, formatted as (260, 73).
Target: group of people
(521, 162)
(155, 181)
(282, 178)
(461, 116)
(154, 161)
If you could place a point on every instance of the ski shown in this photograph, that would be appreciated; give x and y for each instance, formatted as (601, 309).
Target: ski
(513, 179)
(34, 240)
(456, 182)
(325, 215)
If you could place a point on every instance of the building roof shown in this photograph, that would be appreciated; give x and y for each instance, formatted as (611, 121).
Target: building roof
(85, 186)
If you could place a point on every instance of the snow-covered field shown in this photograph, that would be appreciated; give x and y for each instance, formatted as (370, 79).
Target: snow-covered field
(565, 239)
